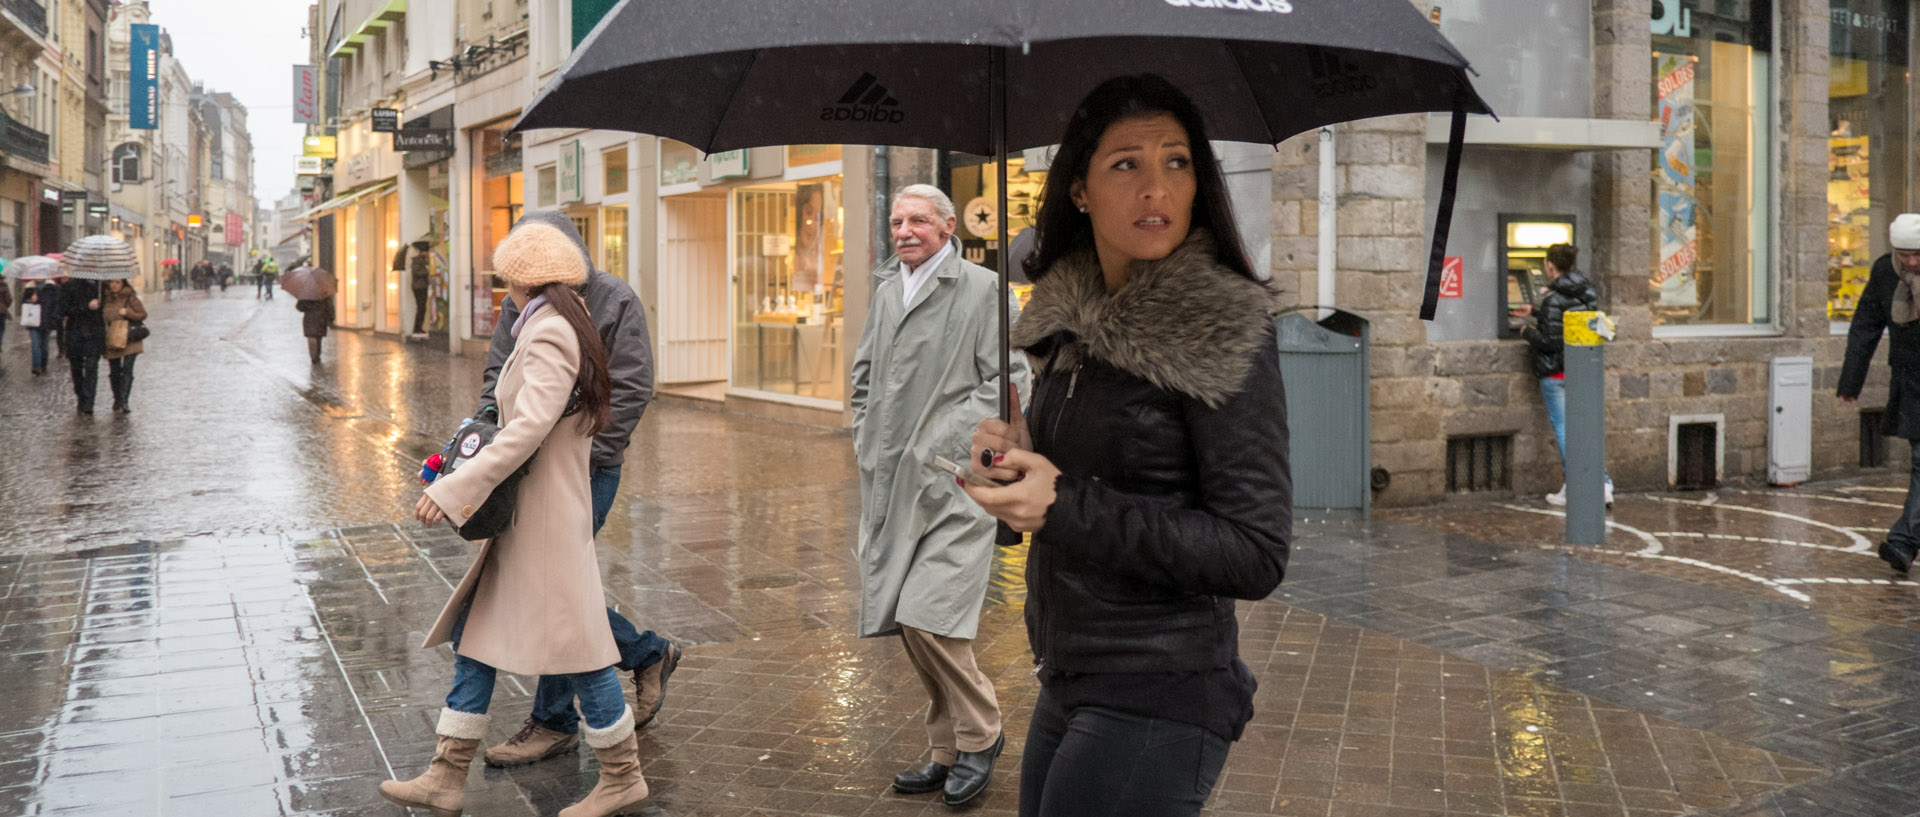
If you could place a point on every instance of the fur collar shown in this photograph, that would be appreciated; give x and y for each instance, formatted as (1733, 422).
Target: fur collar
(1184, 322)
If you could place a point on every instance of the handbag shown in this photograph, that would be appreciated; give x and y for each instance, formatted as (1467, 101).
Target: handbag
(117, 334)
(495, 515)
(137, 331)
(30, 316)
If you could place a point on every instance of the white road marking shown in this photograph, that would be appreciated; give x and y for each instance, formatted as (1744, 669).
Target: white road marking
(1758, 539)
(1860, 543)
(1654, 545)
(1653, 551)
(1887, 582)
(1850, 500)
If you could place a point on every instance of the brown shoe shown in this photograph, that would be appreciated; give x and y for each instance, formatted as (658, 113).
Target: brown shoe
(442, 788)
(532, 744)
(621, 785)
(650, 684)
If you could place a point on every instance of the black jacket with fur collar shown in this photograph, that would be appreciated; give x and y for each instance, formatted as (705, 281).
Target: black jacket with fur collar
(1163, 408)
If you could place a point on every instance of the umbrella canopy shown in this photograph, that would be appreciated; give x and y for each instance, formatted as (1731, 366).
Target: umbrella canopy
(99, 258)
(307, 283)
(34, 268)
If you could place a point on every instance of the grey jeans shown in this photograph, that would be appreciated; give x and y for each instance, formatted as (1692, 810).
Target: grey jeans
(1906, 530)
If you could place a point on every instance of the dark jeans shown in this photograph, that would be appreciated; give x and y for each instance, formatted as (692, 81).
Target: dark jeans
(553, 698)
(420, 314)
(86, 378)
(120, 377)
(1096, 762)
(1906, 530)
(42, 337)
(472, 690)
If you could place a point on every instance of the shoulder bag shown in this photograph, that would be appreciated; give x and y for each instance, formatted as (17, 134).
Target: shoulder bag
(117, 334)
(30, 316)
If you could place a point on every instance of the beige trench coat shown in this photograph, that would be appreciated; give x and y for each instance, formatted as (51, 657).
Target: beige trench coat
(538, 608)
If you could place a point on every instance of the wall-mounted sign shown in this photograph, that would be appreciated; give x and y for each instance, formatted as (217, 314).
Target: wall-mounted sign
(143, 77)
(309, 165)
(1452, 274)
(571, 158)
(727, 164)
(321, 146)
(194, 221)
(306, 94)
(97, 209)
(801, 155)
(423, 139)
(385, 120)
(236, 229)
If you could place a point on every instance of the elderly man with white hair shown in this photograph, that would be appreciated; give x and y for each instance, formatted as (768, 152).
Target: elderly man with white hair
(927, 370)
(1891, 303)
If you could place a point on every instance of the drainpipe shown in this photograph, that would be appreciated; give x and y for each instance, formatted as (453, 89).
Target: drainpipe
(1329, 221)
(882, 242)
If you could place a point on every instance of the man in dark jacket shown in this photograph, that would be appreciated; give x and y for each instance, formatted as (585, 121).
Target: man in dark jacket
(1567, 291)
(1889, 304)
(86, 338)
(554, 726)
(420, 280)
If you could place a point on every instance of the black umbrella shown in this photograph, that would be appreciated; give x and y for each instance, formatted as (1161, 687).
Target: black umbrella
(991, 76)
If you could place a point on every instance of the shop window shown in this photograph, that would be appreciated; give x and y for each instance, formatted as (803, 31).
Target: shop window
(679, 163)
(974, 186)
(126, 164)
(788, 278)
(502, 196)
(613, 241)
(548, 185)
(1711, 184)
(614, 163)
(1867, 151)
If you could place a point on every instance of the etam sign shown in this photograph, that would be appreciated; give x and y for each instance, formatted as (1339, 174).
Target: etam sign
(1274, 6)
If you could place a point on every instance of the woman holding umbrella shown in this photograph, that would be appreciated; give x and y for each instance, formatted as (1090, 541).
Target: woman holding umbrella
(122, 304)
(1153, 474)
(312, 289)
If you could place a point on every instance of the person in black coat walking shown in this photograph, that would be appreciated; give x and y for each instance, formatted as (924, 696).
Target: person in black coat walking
(1151, 468)
(1568, 290)
(315, 317)
(86, 338)
(1891, 304)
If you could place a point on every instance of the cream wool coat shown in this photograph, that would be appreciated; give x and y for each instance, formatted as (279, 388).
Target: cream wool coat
(538, 608)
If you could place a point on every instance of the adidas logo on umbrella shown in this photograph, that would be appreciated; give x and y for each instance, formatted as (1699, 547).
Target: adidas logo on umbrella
(865, 101)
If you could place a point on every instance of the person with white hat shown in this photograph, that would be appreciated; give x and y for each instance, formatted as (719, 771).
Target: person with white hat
(1891, 303)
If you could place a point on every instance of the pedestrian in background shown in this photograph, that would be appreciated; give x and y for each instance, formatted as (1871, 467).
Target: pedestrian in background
(47, 297)
(316, 314)
(1568, 290)
(267, 271)
(122, 304)
(420, 280)
(86, 341)
(553, 726)
(532, 602)
(928, 364)
(1891, 304)
(6, 310)
(1153, 474)
(225, 275)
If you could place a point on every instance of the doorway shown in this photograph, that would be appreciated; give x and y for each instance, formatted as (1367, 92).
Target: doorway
(693, 289)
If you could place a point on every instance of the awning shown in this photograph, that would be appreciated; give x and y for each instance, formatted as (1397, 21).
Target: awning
(384, 14)
(127, 215)
(345, 199)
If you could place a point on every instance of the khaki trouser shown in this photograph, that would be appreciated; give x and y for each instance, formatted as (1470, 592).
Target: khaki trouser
(964, 715)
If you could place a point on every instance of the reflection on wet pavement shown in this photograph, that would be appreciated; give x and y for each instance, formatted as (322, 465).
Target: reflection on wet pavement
(214, 607)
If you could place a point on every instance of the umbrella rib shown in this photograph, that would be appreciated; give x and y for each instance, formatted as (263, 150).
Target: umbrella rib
(1246, 84)
(752, 60)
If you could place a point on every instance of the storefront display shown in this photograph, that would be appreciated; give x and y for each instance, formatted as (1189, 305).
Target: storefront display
(1711, 200)
(502, 195)
(976, 202)
(1867, 152)
(788, 287)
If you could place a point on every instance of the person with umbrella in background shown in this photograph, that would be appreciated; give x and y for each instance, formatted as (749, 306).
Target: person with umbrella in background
(86, 337)
(312, 289)
(6, 308)
(44, 295)
(1153, 474)
(122, 304)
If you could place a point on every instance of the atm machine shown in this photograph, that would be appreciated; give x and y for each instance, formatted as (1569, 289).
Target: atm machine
(1524, 240)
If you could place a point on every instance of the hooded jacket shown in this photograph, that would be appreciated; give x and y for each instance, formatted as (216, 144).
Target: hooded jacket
(622, 322)
(1571, 292)
(1162, 406)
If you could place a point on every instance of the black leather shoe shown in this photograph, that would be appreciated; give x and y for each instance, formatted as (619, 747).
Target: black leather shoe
(971, 772)
(1896, 556)
(922, 780)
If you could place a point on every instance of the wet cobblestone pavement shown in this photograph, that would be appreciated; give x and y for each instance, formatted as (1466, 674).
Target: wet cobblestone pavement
(213, 606)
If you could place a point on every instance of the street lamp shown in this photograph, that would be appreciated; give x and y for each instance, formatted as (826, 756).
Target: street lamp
(22, 88)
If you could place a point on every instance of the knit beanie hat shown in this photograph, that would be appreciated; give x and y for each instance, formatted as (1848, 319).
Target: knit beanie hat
(534, 255)
(1905, 232)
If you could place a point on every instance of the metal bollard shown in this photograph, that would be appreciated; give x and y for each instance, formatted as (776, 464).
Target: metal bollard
(1585, 333)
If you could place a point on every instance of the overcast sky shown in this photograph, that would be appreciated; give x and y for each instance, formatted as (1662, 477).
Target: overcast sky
(247, 48)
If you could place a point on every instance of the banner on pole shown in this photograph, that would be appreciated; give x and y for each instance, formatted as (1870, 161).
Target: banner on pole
(143, 77)
(306, 95)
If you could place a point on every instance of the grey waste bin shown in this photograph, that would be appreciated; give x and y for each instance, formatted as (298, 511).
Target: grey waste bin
(1324, 363)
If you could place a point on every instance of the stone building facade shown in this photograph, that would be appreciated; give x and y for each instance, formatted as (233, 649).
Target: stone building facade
(1777, 215)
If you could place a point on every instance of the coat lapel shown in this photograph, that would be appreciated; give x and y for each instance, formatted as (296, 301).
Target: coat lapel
(948, 270)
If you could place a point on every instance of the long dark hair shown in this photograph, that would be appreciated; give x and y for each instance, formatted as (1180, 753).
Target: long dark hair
(1063, 229)
(593, 387)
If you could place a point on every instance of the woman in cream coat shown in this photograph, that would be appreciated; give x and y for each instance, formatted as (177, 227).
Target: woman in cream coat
(531, 604)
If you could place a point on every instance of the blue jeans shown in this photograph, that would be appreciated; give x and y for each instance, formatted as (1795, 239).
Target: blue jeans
(599, 690)
(40, 337)
(553, 698)
(1554, 393)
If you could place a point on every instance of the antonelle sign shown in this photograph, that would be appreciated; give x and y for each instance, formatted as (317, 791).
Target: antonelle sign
(423, 139)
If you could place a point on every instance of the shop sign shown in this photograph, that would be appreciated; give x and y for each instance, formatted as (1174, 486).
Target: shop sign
(235, 229)
(385, 120)
(570, 161)
(324, 147)
(800, 155)
(1453, 272)
(504, 163)
(1671, 19)
(194, 221)
(49, 194)
(1869, 30)
(727, 164)
(309, 165)
(1674, 182)
(143, 77)
(97, 209)
(438, 139)
(306, 94)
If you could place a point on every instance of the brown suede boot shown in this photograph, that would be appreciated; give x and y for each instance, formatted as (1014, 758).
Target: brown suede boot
(532, 744)
(621, 785)
(650, 685)
(442, 788)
